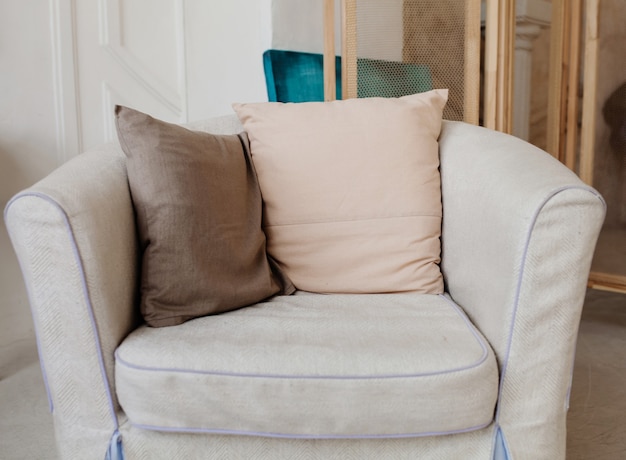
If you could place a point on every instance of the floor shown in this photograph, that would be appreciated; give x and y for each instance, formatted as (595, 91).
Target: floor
(610, 254)
(597, 417)
(596, 421)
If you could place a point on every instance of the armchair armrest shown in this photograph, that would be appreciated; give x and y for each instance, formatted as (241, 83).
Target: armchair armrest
(519, 231)
(74, 235)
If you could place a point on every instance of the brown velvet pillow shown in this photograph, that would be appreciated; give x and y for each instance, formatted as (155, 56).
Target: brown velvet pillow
(199, 211)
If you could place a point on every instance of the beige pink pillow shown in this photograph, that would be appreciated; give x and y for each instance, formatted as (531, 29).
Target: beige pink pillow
(351, 191)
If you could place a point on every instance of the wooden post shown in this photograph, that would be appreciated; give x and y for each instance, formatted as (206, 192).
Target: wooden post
(472, 62)
(562, 127)
(330, 88)
(571, 128)
(491, 64)
(349, 85)
(565, 69)
(555, 83)
(506, 57)
(590, 94)
(499, 47)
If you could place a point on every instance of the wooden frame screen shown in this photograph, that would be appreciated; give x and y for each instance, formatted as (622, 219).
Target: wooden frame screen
(464, 99)
(602, 147)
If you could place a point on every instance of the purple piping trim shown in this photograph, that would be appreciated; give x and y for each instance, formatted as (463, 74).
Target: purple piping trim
(304, 436)
(327, 377)
(520, 278)
(571, 378)
(86, 296)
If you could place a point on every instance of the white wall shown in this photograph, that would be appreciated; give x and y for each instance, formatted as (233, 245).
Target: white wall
(231, 37)
(298, 25)
(27, 153)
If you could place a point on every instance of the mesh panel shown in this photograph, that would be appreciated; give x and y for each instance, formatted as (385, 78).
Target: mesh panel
(409, 46)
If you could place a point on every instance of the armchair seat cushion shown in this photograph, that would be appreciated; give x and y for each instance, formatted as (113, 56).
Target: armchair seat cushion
(313, 366)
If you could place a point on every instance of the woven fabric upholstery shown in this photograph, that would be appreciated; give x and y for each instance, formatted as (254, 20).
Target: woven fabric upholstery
(155, 445)
(529, 233)
(313, 366)
(518, 234)
(549, 304)
(74, 237)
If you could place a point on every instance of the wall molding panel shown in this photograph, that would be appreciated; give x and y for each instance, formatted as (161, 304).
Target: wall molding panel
(109, 98)
(64, 78)
(111, 35)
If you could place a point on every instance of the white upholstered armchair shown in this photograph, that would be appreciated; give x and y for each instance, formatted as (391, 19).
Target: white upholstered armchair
(482, 372)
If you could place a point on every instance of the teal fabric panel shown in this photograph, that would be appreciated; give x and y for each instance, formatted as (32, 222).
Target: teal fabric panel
(292, 76)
